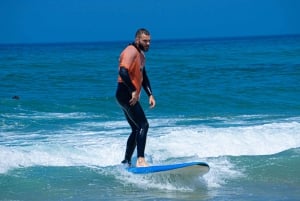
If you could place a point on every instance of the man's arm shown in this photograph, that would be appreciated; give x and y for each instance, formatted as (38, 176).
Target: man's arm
(146, 83)
(123, 72)
(147, 88)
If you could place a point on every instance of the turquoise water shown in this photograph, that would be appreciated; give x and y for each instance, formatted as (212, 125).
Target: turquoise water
(233, 103)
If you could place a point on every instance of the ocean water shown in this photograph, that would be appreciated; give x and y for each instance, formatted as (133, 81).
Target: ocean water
(233, 103)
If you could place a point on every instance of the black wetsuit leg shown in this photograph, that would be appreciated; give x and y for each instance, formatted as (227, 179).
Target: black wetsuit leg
(131, 142)
(137, 121)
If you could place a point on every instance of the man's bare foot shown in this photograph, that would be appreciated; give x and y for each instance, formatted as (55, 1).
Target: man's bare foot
(141, 162)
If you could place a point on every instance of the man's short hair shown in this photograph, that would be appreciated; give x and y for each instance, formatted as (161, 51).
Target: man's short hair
(141, 31)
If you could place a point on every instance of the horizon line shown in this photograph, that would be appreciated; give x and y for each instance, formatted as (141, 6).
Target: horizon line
(159, 40)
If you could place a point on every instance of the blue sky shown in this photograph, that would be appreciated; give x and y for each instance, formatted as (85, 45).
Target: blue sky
(38, 21)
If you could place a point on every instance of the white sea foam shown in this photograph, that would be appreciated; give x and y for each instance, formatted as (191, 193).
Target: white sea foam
(104, 144)
(104, 154)
(206, 141)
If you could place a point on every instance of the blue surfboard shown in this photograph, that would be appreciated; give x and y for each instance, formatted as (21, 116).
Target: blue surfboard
(192, 168)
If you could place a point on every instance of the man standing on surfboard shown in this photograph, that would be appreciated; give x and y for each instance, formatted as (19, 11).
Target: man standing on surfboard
(132, 77)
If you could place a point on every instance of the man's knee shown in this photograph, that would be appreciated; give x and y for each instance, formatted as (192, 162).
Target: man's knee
(145, 125)
(143, 128)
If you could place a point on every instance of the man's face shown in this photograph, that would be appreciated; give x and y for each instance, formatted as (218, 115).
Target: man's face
(144, 42)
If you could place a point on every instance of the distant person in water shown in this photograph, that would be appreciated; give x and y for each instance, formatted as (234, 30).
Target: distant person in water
(16, 97)
(132, 77)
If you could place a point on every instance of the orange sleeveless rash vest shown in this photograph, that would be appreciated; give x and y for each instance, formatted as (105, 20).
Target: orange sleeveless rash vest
(133, 61)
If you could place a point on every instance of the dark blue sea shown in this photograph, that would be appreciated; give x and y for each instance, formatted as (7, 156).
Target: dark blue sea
(233, 103)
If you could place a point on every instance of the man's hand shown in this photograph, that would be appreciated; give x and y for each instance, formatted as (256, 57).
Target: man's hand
(134, 98)
(152, 101)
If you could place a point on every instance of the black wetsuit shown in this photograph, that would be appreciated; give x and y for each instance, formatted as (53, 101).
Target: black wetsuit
(134, 114)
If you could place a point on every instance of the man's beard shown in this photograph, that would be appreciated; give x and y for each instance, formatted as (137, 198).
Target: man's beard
(141, 47)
